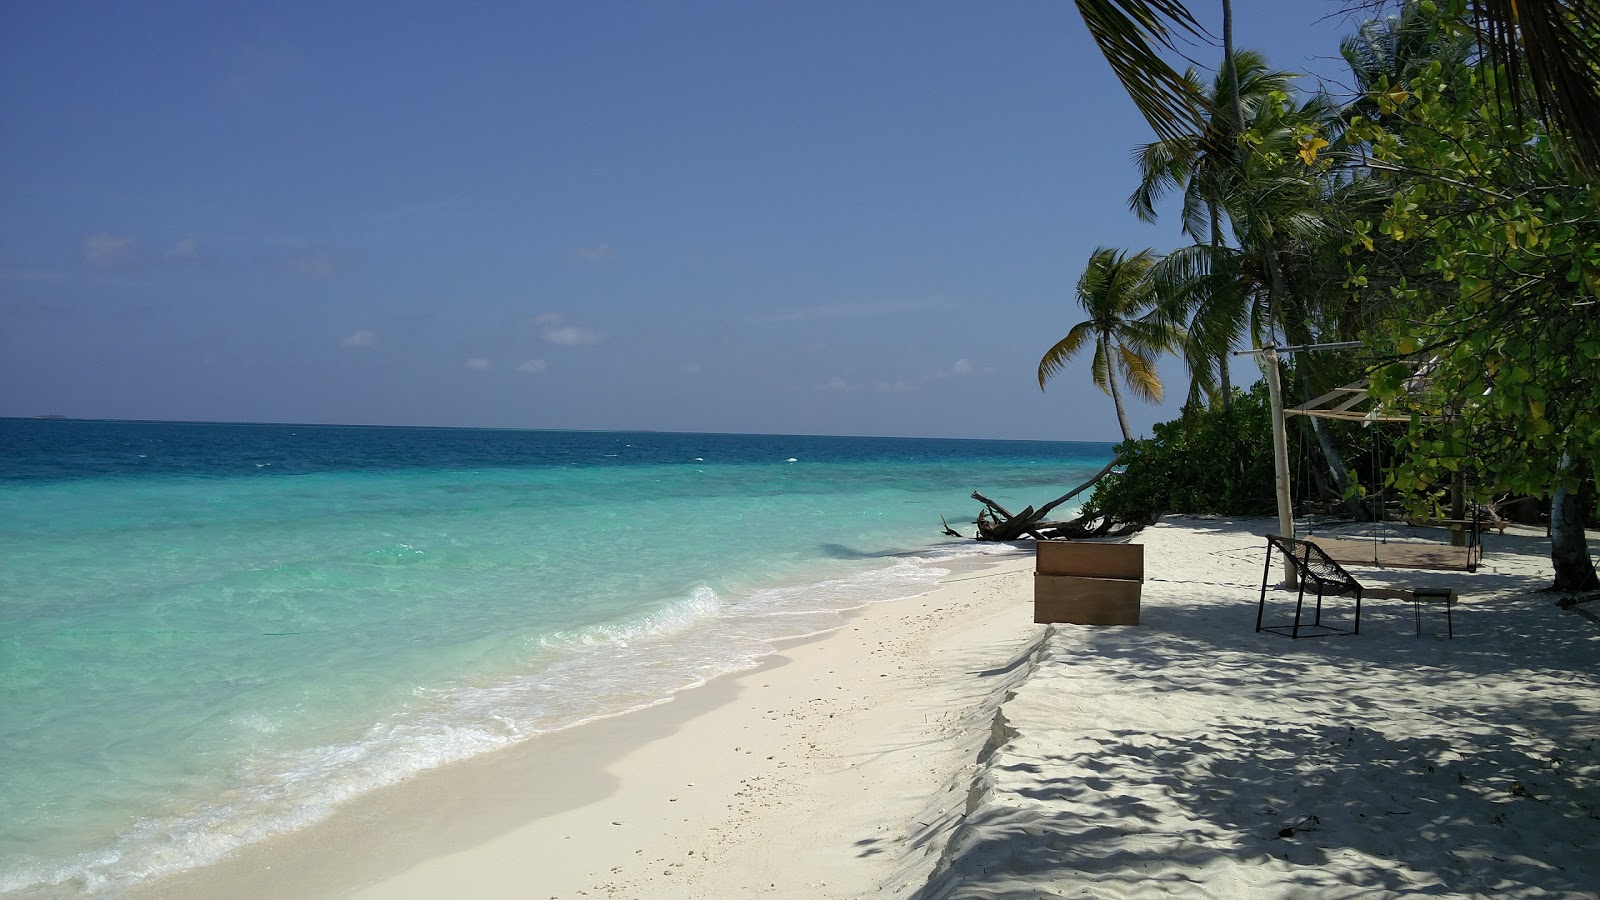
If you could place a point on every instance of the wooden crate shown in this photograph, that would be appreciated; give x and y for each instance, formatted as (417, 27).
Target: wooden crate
(1090, 560)
(1088, 584)
(1073, 600)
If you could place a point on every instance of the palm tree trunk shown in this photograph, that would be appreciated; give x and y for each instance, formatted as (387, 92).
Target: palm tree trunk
(1238, 123)
(1337, 470)
(1341, 474)
(1227, 60)
(1224, 381)
(1569, 546)
(1116, 392)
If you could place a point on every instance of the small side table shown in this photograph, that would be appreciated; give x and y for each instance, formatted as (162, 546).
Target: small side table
(1447, 596)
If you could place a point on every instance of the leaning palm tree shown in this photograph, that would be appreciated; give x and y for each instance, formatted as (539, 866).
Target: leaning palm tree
(1116, 291)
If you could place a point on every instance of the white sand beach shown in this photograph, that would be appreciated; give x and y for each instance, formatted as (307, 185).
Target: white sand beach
(944, 746)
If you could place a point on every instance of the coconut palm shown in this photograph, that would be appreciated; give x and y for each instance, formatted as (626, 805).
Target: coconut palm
(1205, 166)
(1548, 50)
(1116, 291)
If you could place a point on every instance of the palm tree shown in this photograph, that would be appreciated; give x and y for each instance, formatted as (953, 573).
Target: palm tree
(1116, 291)
(1549, 51)
(1197, 288)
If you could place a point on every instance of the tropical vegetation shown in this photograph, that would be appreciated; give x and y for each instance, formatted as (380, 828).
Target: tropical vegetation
(1446, 216)
(1117, 293)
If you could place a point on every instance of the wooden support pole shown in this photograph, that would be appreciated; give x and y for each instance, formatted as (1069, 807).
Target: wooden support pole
(1280, 453)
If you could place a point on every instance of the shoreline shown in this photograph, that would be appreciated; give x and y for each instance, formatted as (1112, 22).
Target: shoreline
(822, 719)
(944, 747)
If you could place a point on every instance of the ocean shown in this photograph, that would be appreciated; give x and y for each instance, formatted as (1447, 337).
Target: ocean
(213, 633)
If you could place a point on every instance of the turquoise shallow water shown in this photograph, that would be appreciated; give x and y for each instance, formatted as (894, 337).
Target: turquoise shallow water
(213, 633)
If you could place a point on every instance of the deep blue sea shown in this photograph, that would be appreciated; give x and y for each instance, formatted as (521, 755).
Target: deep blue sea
(213, 633)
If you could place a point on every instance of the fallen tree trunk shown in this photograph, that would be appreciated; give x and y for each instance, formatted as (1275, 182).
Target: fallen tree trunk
(997, 523)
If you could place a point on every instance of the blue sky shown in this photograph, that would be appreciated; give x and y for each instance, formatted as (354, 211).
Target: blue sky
(820, 217)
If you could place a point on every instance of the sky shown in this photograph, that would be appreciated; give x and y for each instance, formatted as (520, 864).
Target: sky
(775, 217)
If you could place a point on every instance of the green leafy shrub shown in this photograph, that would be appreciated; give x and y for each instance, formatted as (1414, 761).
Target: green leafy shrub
(1212, 461)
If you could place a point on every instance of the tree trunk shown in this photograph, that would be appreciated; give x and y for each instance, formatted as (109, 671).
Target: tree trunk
(1008, 526)
(1224, 381)
(1227, 60)
(1337, 470)
(1116, 392)
(1339, 473)
(1569, 546)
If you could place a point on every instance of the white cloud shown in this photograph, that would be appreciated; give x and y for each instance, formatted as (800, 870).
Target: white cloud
(315, 264)
(362, 338)
(598, 253)
(835, 384)
(554, 328)
(532, 366)
(960, 369)
(108, 251)
(184, 250)
(573, 336)
(896, 387)
(479, 364)
(834, 311)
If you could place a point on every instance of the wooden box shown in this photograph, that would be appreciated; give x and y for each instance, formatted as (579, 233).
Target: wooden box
(1090, 560)
(1088, 584)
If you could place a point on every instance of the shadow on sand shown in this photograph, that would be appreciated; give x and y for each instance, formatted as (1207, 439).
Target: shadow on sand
(1374, 765)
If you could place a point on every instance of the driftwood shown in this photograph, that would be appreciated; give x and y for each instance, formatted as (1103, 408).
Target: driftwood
(996, 523)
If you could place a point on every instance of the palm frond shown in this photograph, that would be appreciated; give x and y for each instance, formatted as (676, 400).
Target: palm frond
(1100, 367)
(1125, 31)
(1154, 332)
(1139, 373)
(1549, 52)
(1163, 166)
(1055, 359)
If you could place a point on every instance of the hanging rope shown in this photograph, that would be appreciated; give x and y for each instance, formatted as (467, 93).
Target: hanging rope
(1377, 487)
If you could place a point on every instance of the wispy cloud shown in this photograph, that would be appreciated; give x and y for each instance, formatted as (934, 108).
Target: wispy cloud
(961, 368)
(185, 250)
(479, 364)
(595, 254)
(555, 328)
(422, 209)
(896, 387)
(314, 264)
(32, 276)
(572, 335)
(835, 311)
(362, 338)
(108, 251)
(690, 368)
(834, 385)
(533, 366)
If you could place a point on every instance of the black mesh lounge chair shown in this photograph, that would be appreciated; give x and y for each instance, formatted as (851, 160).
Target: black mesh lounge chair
(1317, 572)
